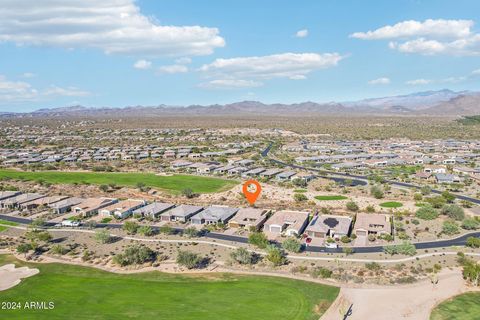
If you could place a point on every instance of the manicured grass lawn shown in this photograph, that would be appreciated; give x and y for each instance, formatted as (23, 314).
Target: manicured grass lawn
(10, 223)
(174, 184)
(300, 190)
(391, 204)
(328, 198)
(463, 307)
(87, 293)
(3, 228)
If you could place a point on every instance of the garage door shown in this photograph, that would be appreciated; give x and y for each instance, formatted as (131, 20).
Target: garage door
(275, 229)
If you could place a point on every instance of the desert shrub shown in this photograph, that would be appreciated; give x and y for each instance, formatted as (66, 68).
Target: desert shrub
(134, 254)
(450, 227)
(145, 230)
(275, 255)
(352, 206)
(321, 272)
(292, 245)
(473, 242)
(405, 248)
(426, 213)
(130, 227)
(258, 239)
(188, 259)
(102, 236)
(453, 211)
(470, 224)
(242, 256)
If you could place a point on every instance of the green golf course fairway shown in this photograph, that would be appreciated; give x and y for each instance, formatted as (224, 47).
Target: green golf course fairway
(174, 184)
(330, 198)
(88, 293)
(463, 307)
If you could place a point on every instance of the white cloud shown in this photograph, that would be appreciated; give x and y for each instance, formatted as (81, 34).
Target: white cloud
(113, 26)
(379, 81)
(184, 60)
(454, 79)
(476, 72)
(301, 33)
(298, 77)
(411, 28)
(18, 91)
(285, 65)
(430, 37)
(28, 75)
(64, 92)
(230, 84)
(417, 82)
(174, 68)
(142, 64)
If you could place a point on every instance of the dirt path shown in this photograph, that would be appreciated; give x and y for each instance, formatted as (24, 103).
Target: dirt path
(412, 302)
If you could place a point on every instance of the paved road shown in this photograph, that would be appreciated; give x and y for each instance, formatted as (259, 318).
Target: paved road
(362, 179)
(460, 241)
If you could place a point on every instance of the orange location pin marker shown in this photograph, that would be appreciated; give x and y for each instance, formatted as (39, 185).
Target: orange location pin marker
(251, 190)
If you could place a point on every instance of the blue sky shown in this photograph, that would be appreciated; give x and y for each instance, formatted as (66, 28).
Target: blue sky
(123, 52)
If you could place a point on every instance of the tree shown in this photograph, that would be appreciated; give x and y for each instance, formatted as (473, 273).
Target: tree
(471, 272)
(473, 242)
(352, 206)
(37, 223)
(275, 255)
(436, 202)
(470, 224)
(417, 197)
(102, 236)
(130, 227)
(24, 248)
(300, 197)
(145, 230)
(258, 239)
(188, 259)
(453, 211)
(426, 213)
(425, 190)
(191, 232)
(448, 196)
(376, 192)
(134, 254)
(188, 193)
(58, 249)
(242, 256)
(450, 228)
(292, 245)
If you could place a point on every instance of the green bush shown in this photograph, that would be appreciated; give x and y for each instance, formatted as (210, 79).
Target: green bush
(300, 197)
(242, 256)
(188, 259)
(130, 227)
(473, 242)
(453, 211)
(102, 236)
(145, 230)
(275, 255)
(405, 248)
(450, 228)
(470, 224)
(258, 239)
(352, 206)
(426, 213)
(134, 254)
(292, 245)
(321, 272)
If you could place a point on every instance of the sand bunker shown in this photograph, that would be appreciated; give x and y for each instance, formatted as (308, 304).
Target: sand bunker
(11, 276)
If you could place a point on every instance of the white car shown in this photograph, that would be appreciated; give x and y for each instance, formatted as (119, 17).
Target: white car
(331, 245)
(70, 223)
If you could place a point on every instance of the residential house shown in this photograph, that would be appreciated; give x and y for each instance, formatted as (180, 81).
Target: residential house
(289, 222)
(446, 178)
(249, 218)
(17, 201)
(372, 223)
(286, 175)
(90, 206)
(182, 213)
(154, 209)
(42, 202)
(327, 225)
(65, 205)
(122, 209)
(213, 215)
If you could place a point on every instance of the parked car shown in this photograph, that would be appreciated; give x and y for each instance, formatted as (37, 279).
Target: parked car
(70, 223)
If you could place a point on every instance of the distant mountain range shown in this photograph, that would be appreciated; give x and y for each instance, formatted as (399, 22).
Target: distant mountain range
(437, 103)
